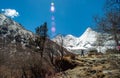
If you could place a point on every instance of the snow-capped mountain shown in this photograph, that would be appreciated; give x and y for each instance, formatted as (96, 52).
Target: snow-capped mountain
(87, 41)
(70, 42)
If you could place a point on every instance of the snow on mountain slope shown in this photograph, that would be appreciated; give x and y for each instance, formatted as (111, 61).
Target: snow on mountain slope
(88, 37)
(86, 41)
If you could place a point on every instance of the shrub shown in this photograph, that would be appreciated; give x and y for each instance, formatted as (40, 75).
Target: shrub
(112, 51)
(64, 63)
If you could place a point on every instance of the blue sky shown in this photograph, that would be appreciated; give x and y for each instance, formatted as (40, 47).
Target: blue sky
(71, 16)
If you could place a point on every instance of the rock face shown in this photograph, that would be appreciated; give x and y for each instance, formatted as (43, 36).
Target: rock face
(12, 28)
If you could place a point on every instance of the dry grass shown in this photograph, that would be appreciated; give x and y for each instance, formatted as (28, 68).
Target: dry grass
(107, 66)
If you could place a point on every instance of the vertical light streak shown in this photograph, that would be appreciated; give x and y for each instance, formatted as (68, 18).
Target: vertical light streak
(52, 9)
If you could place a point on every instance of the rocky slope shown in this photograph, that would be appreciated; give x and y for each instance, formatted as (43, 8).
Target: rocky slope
(8, 26)
(12, 32)
(95, 66)
(19, 55)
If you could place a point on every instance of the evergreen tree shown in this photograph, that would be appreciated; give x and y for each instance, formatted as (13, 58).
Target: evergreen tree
(41, 32)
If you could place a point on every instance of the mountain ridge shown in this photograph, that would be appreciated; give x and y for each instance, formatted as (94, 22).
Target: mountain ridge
(14, 32)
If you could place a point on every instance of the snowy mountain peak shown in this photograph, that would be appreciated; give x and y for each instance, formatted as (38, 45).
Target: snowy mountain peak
(69, 35)
(88, 29)
(89, 35)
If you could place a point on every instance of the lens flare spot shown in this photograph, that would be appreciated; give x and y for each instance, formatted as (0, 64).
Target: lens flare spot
(53, 18)
(53, 23)
(52, 3)
(53, 29)
(52, 9)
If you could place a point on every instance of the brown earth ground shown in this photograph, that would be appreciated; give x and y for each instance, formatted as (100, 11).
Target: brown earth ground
(94, 66)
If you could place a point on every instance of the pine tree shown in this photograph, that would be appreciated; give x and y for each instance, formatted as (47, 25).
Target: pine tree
(41, 32)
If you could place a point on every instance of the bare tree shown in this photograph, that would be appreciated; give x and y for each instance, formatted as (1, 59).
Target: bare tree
(100, 41)
(110, 22)
(51, 55)
(61, 43)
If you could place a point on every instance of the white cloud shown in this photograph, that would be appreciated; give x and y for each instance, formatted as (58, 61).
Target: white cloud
(10, 12)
